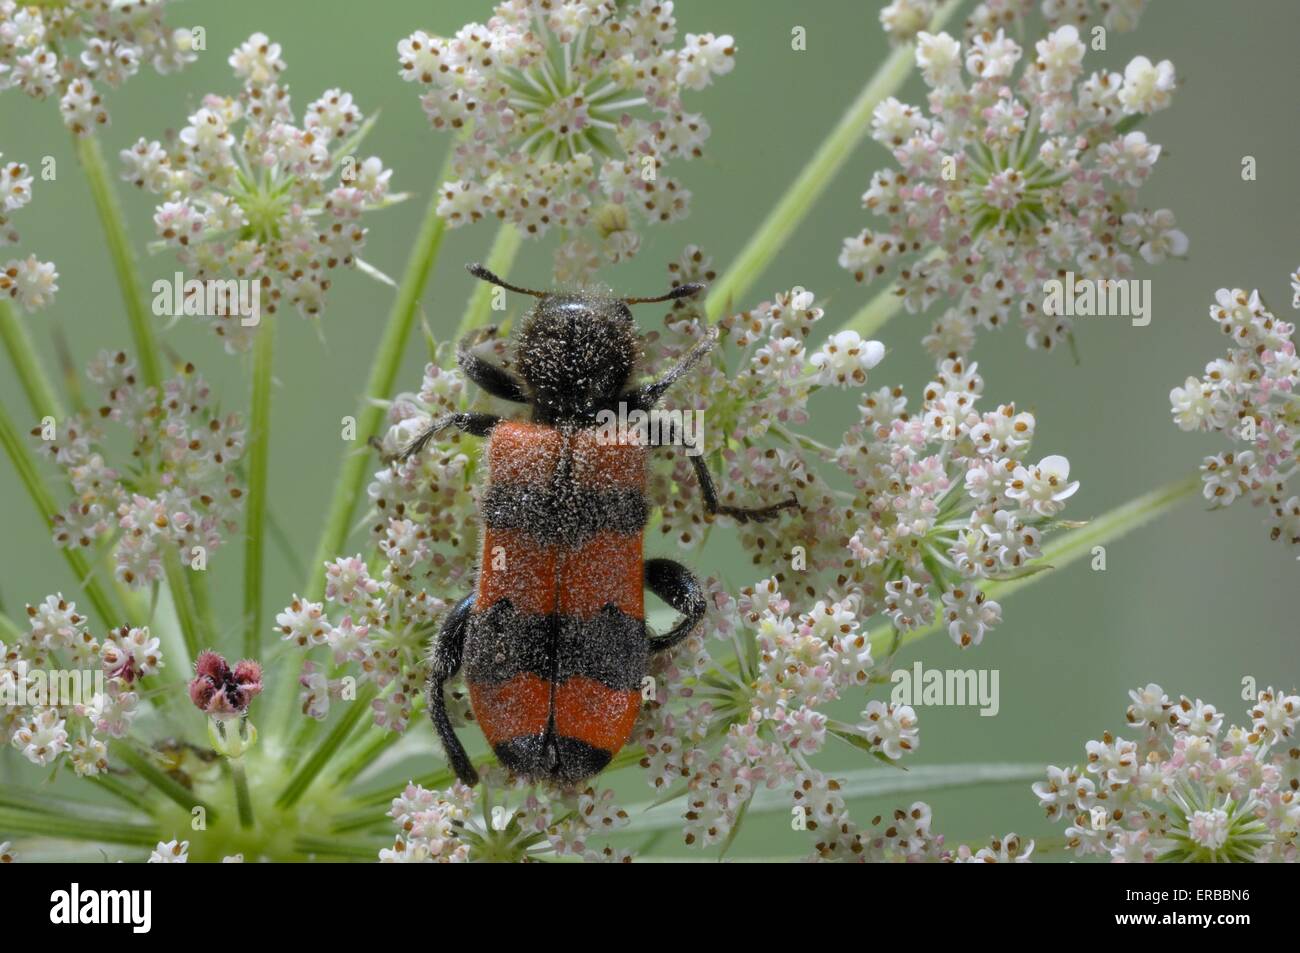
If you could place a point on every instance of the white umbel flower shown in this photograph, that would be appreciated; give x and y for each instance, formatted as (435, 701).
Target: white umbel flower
(891, 728)
(577, 108)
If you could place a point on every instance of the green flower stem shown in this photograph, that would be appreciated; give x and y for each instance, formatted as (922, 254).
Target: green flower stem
(39, 824)
(259, 448)
(27, 364)
(169, 787)
(9, 631)
(500, 259)
(1062, 551)
(366, 755)
(352, 475)
(240, 781)
(45, 402)
(333, 847)
(175, 572)
(815, 176)
(124, 263)
(204, 613)
(876, 313)
(23, 463)
(348, 488)
(303, 779)
(122, 792)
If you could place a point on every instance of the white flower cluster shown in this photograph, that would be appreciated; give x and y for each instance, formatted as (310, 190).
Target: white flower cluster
(248, 192)
(1252, 396)
(941, 499)
(729, 730)
(1118, 15)
(1007, 183)
(448, 826)
(182, 489)
(946, 498)
(572, 108)
(29, 281)
(47, 663)
(65, 48)
(1184, 787)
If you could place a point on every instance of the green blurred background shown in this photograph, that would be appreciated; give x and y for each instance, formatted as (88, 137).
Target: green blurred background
(1195, 602)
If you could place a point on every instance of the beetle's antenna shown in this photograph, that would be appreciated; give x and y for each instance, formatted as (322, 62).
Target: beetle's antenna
(478, 271)
(688, 290)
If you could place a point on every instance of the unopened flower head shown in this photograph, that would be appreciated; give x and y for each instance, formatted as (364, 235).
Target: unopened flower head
(572, 110)
(1252, 397)
(221, 691)
(249, 192)
(74, 49)
(180, 492)
(27, 280)
(1005, 183)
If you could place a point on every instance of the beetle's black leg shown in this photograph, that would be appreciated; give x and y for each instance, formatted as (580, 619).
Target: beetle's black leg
(493, 379)
(646, 396)
(673, 583)
(480, 425)
(446, 663)
(759, 514)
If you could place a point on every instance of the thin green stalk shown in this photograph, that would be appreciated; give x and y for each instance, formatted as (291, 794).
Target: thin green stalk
(245, 803)
(124, 263)
(1063, 550)
(876, 313)
(202, 596)
(168, 786)
(500, 258)
(44, 401)
(333, 847)
(9, 631)
(185, 611)
(259, 448)
(303, 779)
(23, 463)
(38, 824)
(27, 364)
(366, 755)
(122, 792)
(383, 372)
(815, 176)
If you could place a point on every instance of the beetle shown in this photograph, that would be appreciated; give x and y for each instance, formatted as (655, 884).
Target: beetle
(553, 640)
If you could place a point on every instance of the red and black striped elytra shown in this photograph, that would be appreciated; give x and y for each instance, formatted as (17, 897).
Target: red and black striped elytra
(556, 642)
(553, 640)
